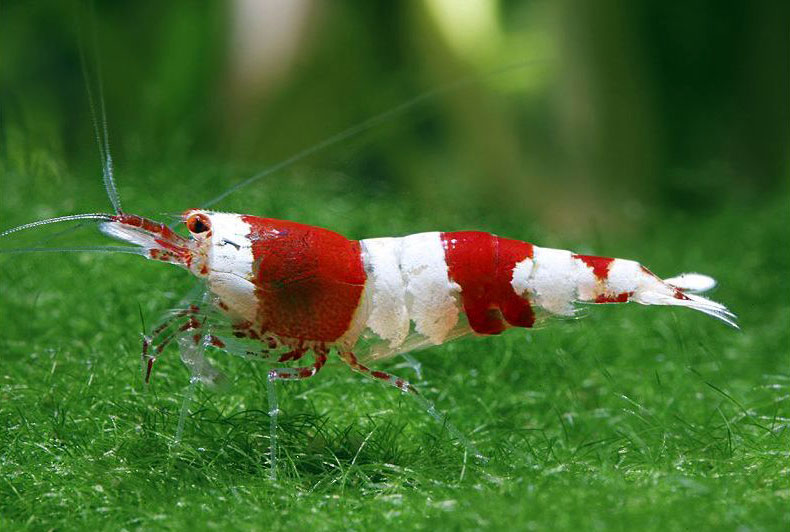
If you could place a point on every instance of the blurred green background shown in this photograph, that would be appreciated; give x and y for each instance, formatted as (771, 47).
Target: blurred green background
(645, 130)
(576, 115)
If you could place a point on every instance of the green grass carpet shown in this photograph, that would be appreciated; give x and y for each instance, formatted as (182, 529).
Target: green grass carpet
(637, 418)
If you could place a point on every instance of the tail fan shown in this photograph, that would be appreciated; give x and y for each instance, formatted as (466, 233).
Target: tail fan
(684, 287)
(692, 282)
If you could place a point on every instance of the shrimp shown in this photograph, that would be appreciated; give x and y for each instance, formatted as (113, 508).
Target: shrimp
(292, 289)
(280, 291)
(309, 289)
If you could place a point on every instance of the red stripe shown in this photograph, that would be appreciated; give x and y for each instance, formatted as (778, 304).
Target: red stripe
(308, 280)
(482, 264)
(599, 265)
(619, 298)
(515, 308)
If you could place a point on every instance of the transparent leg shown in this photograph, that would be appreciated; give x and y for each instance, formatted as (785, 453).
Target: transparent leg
(284, 374)
(273, 413)
(192, 349)
(173, 326)
(182, 416)
(406, 387)
(414, 364)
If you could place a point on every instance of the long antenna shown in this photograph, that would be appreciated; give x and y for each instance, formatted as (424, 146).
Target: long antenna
(77, 249)
(102, 136)
(367, 124)
(90, 216)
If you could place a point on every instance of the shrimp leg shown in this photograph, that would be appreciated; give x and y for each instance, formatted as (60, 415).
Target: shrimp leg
(172, 327)
(414, 364)
(276, 374)
(406, 387)
(192, 343)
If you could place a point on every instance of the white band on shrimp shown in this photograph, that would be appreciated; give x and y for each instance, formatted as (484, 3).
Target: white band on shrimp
(430, 294)
(386, 292)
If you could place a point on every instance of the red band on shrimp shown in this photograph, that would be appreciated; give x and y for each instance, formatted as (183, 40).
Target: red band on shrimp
(599, 265)
(618, 298)
(482, 264)
(516, 309)
(308, 280)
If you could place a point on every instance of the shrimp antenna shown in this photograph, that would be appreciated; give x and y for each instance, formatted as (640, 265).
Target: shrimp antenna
(368, 124)
(90, 216)
(76, 249)
(99, 125)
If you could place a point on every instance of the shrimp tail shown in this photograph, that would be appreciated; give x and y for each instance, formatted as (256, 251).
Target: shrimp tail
(556, 279)
(681, 291)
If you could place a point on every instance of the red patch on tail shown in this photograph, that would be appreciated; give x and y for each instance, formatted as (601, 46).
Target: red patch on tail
(482, 264)
(680, 295)
(599, 265)
(619, 298)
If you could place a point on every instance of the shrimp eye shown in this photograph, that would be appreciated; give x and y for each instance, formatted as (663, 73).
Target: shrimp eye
(198, 223)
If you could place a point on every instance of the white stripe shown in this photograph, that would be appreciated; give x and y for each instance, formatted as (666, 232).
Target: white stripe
(230, 264)
(588, 286)
(430, 295)
(231, 249)
(409, 284)
(624, 276)
(385, 289)
(522, 271)
(558, 280)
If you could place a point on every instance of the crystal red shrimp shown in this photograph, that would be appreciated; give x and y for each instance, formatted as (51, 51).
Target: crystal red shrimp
(301, 289)
(309, 287)
(305, 288)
